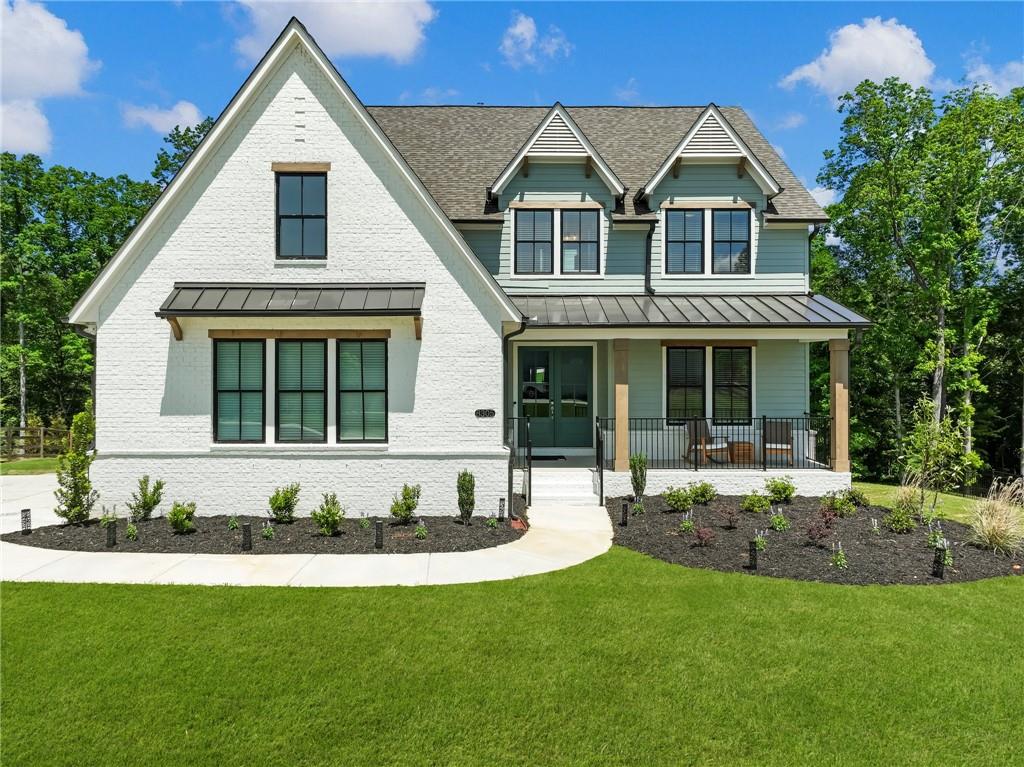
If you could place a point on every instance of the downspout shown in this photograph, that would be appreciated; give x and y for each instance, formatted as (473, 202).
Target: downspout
(504, 369)
(815, 228)
(647, 263)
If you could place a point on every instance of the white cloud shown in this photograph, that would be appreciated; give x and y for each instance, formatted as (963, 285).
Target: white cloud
(791, 121)
(41, 58)
(628, 93)
(1002, 80)
(823, 196)
(430, 95)
(779, 151)
(521, 45)
(184, 113)
(24, 128)
(872, 50)
(392, 29)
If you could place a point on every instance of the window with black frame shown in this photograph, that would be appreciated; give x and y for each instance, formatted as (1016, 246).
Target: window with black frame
(534, 242)
(301, 391)
(580, 241)
(684, 242)
(684, 382)
(732, 385)
(730, 235)
(238, 399)
(362, 391)
(302, 215)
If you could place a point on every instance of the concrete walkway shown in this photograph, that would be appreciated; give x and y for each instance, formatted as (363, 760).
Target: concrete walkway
(559, 537)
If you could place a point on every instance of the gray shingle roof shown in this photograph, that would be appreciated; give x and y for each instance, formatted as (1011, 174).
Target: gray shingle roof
(260, 299)
(458, 151)
(753, 310)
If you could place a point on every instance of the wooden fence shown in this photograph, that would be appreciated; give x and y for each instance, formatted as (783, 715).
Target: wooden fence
(33, 442)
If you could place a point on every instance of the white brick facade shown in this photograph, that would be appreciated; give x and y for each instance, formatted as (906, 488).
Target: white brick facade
(154, 394)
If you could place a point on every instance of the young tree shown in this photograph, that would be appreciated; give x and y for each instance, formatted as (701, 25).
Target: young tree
(182, 142)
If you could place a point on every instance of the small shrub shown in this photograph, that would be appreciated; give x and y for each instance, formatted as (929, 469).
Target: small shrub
(778, 522)
(421, 532)
(899, 520)
(935, 536)
(819, 532)
(466, 486)
(997, 521)
(131, 532)
(838, 559)
(857, 497)
(232, 522)
(180, 517)
(492, 523)
(108, 518)
(267, 532)
(328, 515)
(639, 508)
(403, 506)
(838, 504)
(145, 500)
(875, 527)
(638, 474)
(283, 503)
(686, 526)
(760, 540)
(364, 523)
(704, 536)
(702, 493)
(732, 517)
(75, 495)
(780, 489)
(755, 502)
(677, 498)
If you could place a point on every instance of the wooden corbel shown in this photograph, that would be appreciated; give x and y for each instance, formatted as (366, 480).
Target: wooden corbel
(675, 167)
(175, 328)
(741, 168)
(418, 324)
(526, 167)
(588, 167)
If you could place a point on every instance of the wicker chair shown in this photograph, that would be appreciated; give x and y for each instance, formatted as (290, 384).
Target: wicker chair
(778, 439)
(704, 444)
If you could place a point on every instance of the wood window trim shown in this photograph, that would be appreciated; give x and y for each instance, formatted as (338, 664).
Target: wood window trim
(338, 392)
(263, 397)
(721, 342)
(548, 205)
(308, 335)
(708, 205)
(300, 167)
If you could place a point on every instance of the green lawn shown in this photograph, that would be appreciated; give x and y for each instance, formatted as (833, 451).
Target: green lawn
(29, 466)
(951, 506)
(622, 660)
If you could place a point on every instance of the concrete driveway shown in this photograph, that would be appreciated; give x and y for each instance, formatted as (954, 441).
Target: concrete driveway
(29, 491)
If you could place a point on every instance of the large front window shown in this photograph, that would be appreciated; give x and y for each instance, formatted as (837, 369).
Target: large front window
(684, 382)
(238, 399)
(684, 241)
(362, 391)
(732, 397)
(579, 241)
(534, 237)
(301, 215)
(730, 235)
(301, 391)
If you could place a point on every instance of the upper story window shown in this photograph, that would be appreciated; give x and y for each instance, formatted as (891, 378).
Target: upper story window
(684, 241)
(301, 215)
(534, 242)
(580, 232)
(730, 235)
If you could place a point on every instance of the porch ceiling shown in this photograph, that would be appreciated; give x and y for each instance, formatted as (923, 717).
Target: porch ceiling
(751, 310)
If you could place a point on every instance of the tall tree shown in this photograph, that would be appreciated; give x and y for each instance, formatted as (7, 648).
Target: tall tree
(181, 142)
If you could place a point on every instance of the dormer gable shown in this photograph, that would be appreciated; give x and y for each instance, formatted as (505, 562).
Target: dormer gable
(711, 139)
(557, 137)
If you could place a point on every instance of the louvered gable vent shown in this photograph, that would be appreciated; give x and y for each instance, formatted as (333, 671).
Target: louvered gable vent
(711, 138)
(557, 139)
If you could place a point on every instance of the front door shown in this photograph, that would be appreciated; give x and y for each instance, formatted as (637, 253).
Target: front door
(555, 393)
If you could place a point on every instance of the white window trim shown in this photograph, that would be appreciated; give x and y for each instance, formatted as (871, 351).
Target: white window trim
(556, 244)
(708, 248)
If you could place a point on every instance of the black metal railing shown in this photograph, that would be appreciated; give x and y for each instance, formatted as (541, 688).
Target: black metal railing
(599, 459)
(520, 445)
(765, 442)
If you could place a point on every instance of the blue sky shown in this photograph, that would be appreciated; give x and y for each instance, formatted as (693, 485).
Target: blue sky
(95, 85)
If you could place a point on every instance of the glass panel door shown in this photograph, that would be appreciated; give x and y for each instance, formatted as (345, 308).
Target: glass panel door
(535, 390)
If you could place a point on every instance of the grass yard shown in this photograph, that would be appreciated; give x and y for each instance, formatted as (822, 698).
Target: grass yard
(951, 506)
(622, 660)
(29, 466)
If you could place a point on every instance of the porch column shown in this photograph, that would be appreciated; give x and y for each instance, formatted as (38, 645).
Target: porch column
(839, 401)
(620, 347)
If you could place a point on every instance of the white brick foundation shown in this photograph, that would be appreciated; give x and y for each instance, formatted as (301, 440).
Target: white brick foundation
(810, 482)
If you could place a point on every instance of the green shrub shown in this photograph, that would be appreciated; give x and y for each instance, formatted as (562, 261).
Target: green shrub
(780, 489)
(74, 493)
(760, 540)
(421, 532)
(677, 498)
(403, 507)
(180, 516)
(328, 515)
(466, 485)
(779, 523)
(283, 503)
(756, 503)
(108, 518)
(838, 504)
(267, 532)
(131, 532)
(900, 518)
(838, 559)
(702, 493)
(997, 521)
(638, 473)
(857, 497)
(639, 508)
(232, 522)
(364, 522)
(686, 526)
(492, 523)
(83, 430)
(145, 500)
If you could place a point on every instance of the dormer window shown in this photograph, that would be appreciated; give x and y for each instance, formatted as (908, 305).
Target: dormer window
(730, 236)
(302, 215)
(580, 232)
(534, 242)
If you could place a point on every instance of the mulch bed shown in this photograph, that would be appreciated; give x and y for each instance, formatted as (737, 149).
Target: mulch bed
(883, 558)
(212, 536)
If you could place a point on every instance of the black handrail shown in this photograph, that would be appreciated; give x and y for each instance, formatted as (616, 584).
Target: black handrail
(599, 459)
(529, 464)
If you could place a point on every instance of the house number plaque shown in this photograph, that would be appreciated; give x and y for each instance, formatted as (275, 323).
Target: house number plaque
(485, 414)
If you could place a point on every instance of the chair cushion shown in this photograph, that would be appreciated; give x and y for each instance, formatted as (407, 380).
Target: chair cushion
(776, 446)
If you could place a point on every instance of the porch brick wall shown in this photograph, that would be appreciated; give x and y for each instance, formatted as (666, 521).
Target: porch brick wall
(809, 482)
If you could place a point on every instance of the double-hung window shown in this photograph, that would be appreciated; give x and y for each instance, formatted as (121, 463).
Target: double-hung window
(238, 400)
(362, 391)
(301, 391)
(730, 236)
(732, 395)
(684, 241)
(579, 241)
(684, 380)
(302, 215)
(534, 242)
